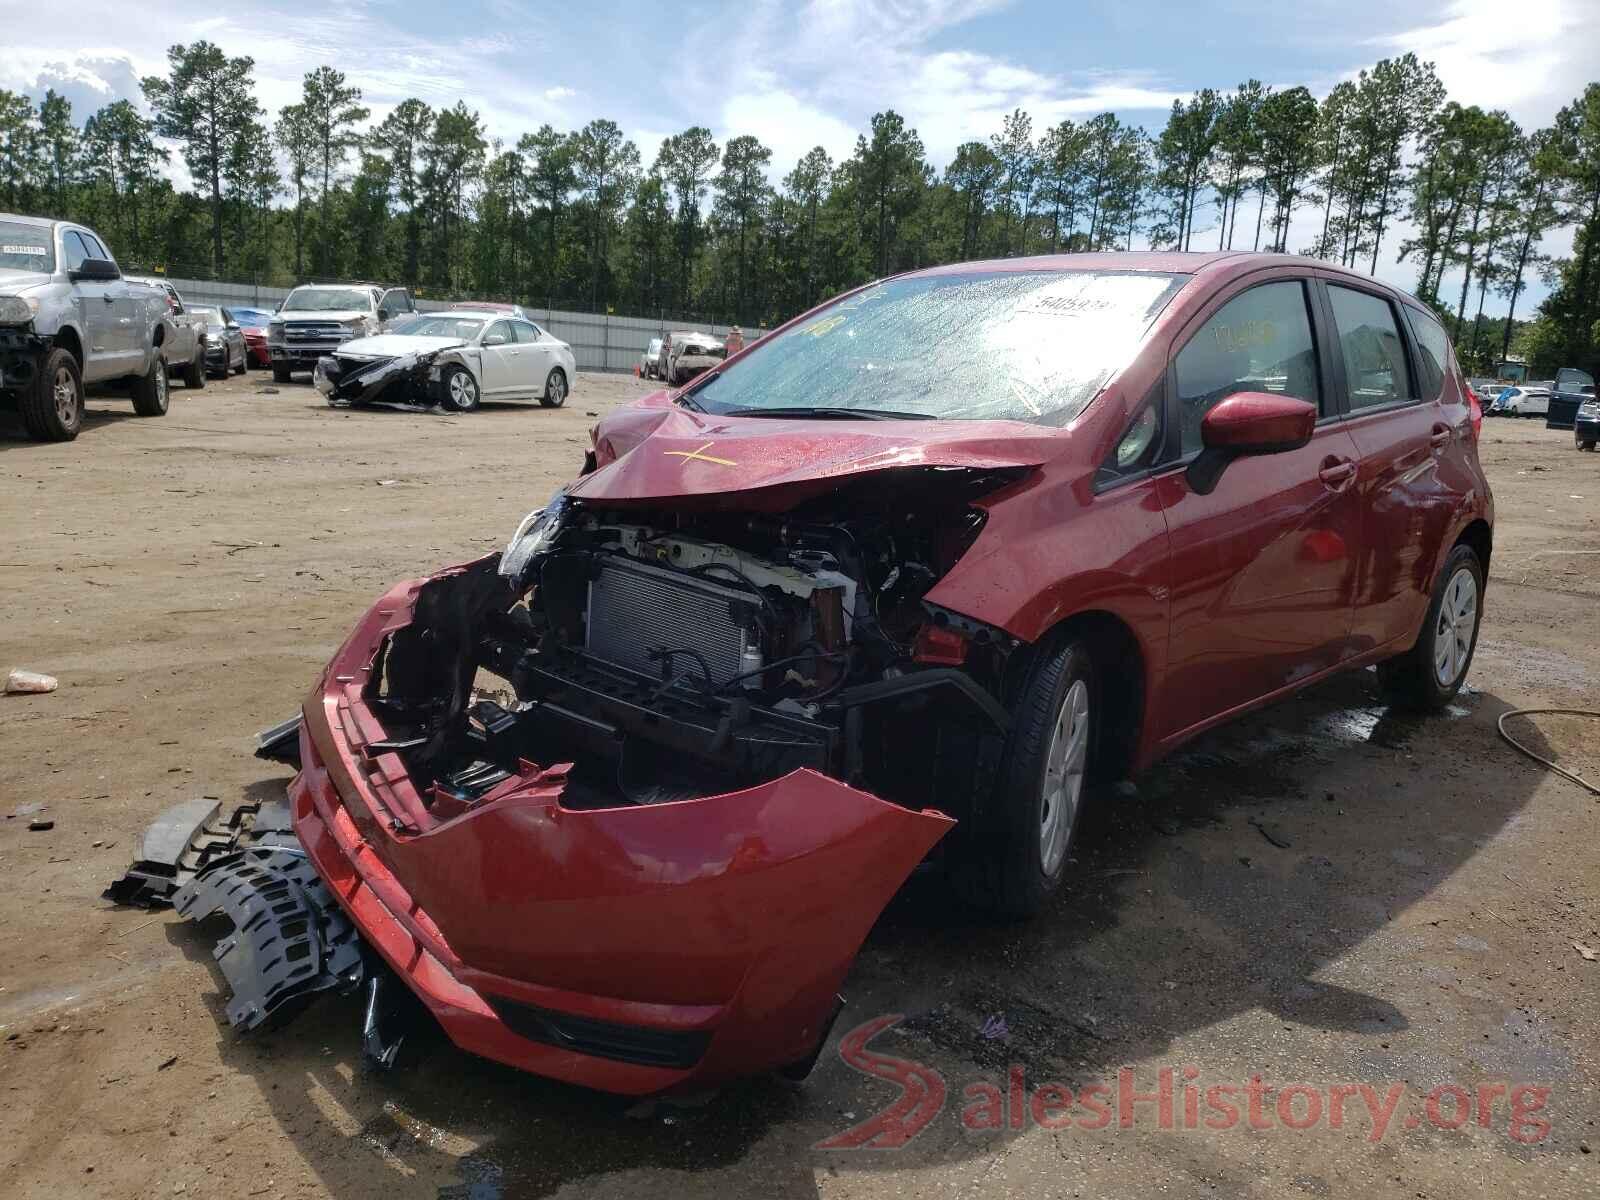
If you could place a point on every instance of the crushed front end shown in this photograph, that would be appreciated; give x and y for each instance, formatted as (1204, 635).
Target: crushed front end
(621, 804)
(404, 379)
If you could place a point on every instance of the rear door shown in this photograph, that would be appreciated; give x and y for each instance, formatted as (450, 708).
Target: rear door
(1264, 567)
(1408, 416)
(536, 355)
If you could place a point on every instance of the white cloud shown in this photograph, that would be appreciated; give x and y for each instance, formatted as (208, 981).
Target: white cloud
(1529, 58)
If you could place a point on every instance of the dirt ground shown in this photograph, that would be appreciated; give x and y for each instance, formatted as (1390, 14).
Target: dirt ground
(1329, 893)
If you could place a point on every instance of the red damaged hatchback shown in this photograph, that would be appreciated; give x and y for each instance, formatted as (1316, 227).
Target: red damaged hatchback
(620, 803)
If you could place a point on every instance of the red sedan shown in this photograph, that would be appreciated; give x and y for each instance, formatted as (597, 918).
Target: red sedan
(892, 583)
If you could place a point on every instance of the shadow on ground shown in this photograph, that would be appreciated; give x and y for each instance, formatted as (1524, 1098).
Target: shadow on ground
(1245, 866)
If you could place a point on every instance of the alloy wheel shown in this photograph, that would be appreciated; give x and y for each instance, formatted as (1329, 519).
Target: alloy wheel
(463, 390)
(1065, 765)
(1457, 626)
(65, 393)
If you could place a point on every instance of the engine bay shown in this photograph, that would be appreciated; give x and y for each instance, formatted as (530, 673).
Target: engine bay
(671, 654)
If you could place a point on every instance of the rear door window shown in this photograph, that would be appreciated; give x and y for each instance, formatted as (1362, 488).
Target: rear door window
(1260, 341)
(1375, 368)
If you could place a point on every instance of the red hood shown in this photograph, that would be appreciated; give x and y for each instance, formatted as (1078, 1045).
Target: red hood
(657, 451)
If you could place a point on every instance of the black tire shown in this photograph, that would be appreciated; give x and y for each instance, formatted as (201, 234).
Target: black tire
(47, 415)
(555, 389)
(1007, 870)
(194, 371)
(243, 362)
(280, 373)
(1413, 679)
(458, 390)
(150, 396)
(1577, 440)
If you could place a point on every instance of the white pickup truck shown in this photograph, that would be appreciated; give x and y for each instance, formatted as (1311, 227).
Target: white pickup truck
(68, 319)
(184, 350)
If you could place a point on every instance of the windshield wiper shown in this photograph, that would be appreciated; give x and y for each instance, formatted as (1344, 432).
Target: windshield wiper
(830, 414)
(685, 397)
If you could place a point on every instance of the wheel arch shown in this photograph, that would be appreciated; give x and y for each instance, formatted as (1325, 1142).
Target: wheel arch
(1123, 684)
(68, 338)
(1480, 536)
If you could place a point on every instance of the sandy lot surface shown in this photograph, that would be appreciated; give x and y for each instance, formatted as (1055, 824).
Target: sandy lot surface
(1410, 920)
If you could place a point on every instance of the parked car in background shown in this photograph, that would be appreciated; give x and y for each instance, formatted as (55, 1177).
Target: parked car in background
(686, 353)
(315, 320)
(226, 351)
(68, 319)
(647, 360)
(892, 581)
(1572, 388)
(184, 349)
(456, 358)
(253, 324)
(1586, 424)
(492, 306)
(1529, 401)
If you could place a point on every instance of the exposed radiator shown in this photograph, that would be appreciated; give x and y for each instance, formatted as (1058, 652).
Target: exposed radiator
(635, 609)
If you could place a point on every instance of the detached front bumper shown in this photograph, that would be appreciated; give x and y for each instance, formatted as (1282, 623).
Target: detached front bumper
(635, 949)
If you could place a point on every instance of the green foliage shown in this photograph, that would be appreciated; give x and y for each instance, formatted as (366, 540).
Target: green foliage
(560, 217)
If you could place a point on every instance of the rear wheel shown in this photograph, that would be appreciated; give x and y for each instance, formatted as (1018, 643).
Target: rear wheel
(1014, 869)
(52, 408)
(150, 392)
(459, 389)
(1429, 675)
(194, 371)
(555, 389)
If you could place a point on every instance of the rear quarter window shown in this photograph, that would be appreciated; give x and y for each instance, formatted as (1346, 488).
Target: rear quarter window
(1433, 351)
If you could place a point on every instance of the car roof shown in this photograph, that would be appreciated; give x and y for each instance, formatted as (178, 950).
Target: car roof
(40, 222)
(481, 313)
(1215, 265)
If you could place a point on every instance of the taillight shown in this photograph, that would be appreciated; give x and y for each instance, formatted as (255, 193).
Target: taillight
(1475, 406)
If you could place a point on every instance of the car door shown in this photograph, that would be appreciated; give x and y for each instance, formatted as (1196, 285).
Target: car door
(1264, 566)
(1404, 417)
(499, 348)
(536, 350)
(105, 346)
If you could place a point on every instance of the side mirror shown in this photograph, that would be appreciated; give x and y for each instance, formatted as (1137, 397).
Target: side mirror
(1248, 423)
(96, 270)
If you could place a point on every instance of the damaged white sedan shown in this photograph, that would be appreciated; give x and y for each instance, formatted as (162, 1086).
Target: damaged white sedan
(453, 359)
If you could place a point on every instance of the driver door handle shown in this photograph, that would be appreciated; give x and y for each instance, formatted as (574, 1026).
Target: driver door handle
(1337, 473)
(108, 299)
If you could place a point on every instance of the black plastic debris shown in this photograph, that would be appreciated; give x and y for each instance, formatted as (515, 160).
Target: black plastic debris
(281, 743)
(290, 938)
(188, 837)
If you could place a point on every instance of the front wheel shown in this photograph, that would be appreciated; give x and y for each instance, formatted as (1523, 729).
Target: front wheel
(1429, 675)
(555, 389)
(243, 362)
(52, 407)
(150, 391)
(459, 389)
(280, 373)
(1013, 869)
(1577, 440)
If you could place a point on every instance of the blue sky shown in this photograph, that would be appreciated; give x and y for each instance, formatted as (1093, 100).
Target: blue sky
(801, 72)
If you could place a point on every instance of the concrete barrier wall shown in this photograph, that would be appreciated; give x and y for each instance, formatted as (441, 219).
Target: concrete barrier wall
(599, 343)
